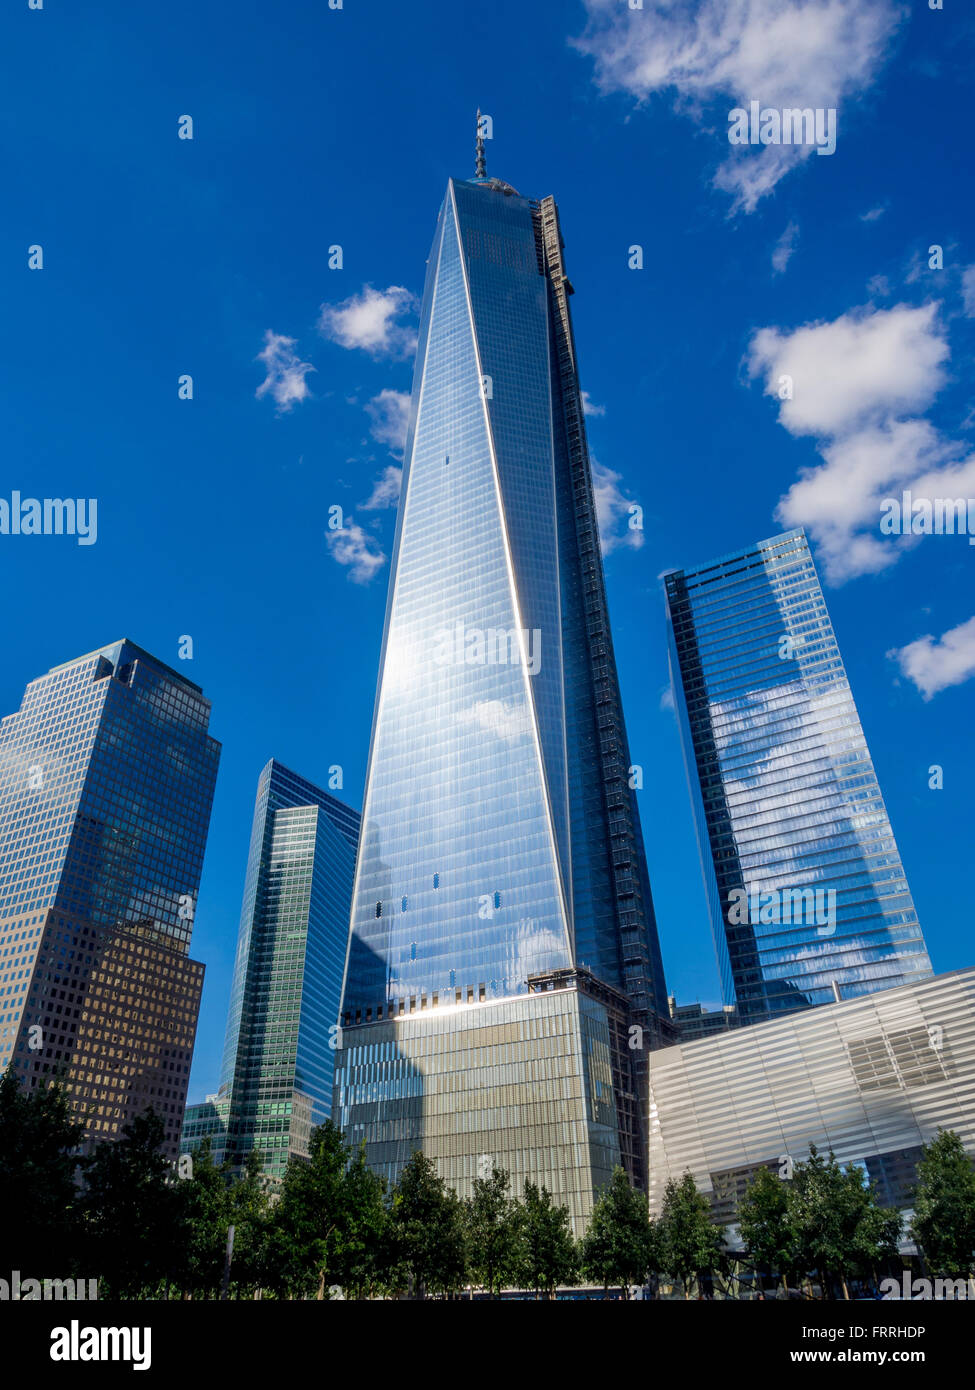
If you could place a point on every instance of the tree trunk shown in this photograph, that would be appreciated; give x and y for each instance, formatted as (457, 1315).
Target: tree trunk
(320, 1291)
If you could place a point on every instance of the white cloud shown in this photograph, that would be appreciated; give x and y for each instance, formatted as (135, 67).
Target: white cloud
(390, 413)
(358, 550)
(867, 364)
(934, 663)
(839, 502)
(588, 406)
(505, 720)
(873, 214)
(879, 285)
(285, 381)
(369, 321)
(385, 490)
(856, 382)
(667, 698)
(612, 509)
(968, 291)
(784, 247)
(778, 52)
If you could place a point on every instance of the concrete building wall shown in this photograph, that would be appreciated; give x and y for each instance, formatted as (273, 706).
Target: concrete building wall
(872, 1079)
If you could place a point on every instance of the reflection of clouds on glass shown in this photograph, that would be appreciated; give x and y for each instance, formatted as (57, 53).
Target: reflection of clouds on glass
(533, 948)
(815, 790)
(402, 664)
(507, 721)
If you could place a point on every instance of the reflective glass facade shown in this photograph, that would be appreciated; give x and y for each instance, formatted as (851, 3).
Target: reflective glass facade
(279, 1054)
(501, 840)
(872, 1078)
(106, 781)
(806, 890)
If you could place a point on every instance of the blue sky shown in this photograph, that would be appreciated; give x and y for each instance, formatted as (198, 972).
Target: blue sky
(314, 128)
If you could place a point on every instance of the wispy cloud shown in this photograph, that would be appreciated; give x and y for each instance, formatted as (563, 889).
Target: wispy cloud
(873, 214)
(856, 385)
(805, 53)
(613, 511)
(370, 321)
(589, 407)
(968, 291)
(784, 248)
(934, 663)
(285, 380)
(385, 490)
(355, 548)
(389, 413)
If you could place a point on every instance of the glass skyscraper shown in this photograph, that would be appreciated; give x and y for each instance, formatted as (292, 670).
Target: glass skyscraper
(806, 891)
(502, 936)
(279, 1054)
(107, 774)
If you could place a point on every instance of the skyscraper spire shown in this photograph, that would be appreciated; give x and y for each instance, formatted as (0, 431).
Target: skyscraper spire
(480, 168)
(528, 918)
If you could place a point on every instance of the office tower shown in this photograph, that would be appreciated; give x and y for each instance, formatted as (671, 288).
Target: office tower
(502, 939)
(106, 781)
(279, 1054)
(693, 1021)
(806, 891)
(872, 1079)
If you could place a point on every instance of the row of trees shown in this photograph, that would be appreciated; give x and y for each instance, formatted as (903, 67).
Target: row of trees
(825, 1219)
(123, 1216)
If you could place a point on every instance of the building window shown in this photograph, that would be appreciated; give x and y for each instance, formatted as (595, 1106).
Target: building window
(379, 909)
(403, 903)
(497, 900)
(436, 880)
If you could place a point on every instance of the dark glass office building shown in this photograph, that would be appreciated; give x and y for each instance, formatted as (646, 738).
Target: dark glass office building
(282, 1028)
(107, 774)
(806, 890)
(502, 937)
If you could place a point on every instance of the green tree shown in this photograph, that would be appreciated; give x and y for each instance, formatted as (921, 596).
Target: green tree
(763, 1224)
(690, 1242)
(38, 1197)
(619, 1247)
(305, 1230)
(493, 1230)
(836, 1225)
(944, 1207)
(131, 1211)
(363, 1232)
(429, 1247)
(204, 1215)
(548, 1255)
(250, 1211)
